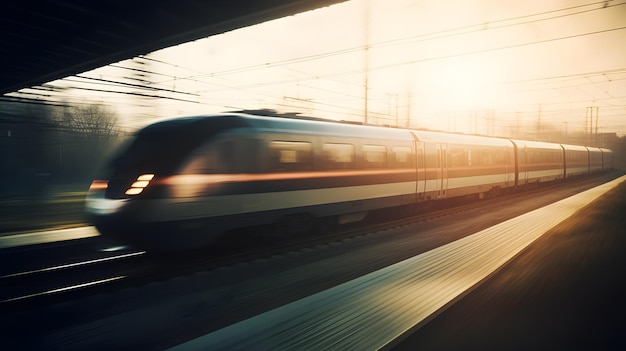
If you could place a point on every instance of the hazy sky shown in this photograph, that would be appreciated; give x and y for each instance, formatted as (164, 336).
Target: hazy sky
(451, 65)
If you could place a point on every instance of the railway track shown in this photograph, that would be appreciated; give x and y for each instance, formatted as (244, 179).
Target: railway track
(192, 297)
(75, 279)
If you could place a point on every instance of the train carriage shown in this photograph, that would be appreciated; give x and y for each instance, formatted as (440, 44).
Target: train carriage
(595, 159)
(538, 162)
(246, 171)
(459, 165)
(576, 160)
(607, 159)
(184, 182)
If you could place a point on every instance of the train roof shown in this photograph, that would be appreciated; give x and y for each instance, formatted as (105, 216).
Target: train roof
(319, 127)
(452, 138)
(315, 126)
(273, 124)
(305, 125)
(569, 147)
(593, 149)
(537, 144)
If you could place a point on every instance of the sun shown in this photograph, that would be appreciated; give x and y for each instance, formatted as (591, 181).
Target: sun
(465, 84)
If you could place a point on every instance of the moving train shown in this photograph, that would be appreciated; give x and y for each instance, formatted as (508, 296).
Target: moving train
(184, 182)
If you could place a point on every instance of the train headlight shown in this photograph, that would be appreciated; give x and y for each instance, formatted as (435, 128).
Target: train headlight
(141, 183)
(98, 185)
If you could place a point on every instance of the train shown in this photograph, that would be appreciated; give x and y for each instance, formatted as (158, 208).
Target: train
(183, 183)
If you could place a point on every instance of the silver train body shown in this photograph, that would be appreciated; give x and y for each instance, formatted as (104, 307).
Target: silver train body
(184, 182)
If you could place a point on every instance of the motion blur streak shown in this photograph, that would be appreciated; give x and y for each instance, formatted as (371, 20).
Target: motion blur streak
(223, 178)
(47, 236)
(77, 264)
(99, 185)
(236, 170)
(67, 288)
(370, 312)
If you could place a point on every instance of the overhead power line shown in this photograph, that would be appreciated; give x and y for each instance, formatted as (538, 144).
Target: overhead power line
(479, 27)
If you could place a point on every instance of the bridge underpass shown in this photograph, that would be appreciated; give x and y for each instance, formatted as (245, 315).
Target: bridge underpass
(48, 40)
(48, 140)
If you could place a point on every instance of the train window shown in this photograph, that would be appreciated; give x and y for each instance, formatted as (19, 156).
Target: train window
(577, 156)
(554, 157)
(457, 157)
(473, 158)
(339, 156)
(430, 157)
(211, 160)
(291, 156)
(420, 158)
(198, 164)
(375, 156)
(402, 156)
(499, 157)
(486, 157)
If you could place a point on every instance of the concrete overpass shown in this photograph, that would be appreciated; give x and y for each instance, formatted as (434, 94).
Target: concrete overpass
(41, 41)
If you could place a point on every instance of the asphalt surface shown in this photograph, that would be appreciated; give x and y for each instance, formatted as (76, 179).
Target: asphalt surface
(566, 291)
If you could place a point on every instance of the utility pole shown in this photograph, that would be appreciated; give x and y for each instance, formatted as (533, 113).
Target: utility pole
(596, 134)
(408, 110)
(366, 22)
(586, 120)
(397, 112)
(538, 123)
(452, 121)
(589, 129)
(491, 118)
(474, 122)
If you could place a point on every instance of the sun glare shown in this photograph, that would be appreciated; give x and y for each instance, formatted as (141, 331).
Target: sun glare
(464, 85)
(397, 62)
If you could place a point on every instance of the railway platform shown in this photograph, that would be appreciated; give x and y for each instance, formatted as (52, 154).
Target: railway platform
(564, 262)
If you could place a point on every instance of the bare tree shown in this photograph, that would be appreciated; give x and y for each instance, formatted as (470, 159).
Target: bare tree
(90, 120)
(87, 134)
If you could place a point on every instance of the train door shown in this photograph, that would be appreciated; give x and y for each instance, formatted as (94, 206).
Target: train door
(442, 169)
(522, 166)
(433, 172)
(420, 186)
(509, 168)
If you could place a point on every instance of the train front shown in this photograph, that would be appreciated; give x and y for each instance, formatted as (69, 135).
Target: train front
(134, 202)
